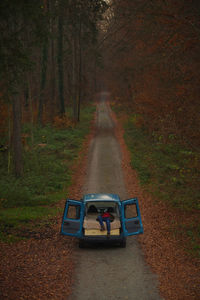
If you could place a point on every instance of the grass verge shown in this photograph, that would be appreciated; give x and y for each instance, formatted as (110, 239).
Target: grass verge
(49, 154)
(170, 172)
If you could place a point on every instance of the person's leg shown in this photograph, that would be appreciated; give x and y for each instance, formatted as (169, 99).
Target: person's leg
(107, 220)
(100, 219)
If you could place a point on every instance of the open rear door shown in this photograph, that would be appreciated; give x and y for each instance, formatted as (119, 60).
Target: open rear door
(131, 218)
(72, 221)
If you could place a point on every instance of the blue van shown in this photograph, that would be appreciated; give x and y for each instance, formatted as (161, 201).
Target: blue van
(80, 219)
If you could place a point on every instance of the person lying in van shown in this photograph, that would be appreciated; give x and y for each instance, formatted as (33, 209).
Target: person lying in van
(106, 217)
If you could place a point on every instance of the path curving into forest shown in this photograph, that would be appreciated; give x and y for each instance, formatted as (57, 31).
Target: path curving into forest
(110, 272)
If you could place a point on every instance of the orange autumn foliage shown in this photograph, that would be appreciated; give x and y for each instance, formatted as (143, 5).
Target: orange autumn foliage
(63, 122)
(154, 66)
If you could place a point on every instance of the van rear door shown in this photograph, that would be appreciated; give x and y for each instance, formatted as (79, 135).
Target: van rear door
(131, 218)
(72, 221)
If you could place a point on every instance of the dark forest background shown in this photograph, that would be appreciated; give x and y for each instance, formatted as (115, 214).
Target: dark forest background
(48, 65)
(153, 64)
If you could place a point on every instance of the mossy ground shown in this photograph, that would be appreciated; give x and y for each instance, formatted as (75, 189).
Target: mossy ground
(49, 155)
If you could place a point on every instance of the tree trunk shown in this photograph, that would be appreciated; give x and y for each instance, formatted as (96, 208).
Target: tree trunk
(31, 106)
(53, 63)
(74, 67)
(43, 73)
(17, 142)
(43, 81)
(53, 80)
(95, 74)
(60, 64)
(9, 137)
(80, 71)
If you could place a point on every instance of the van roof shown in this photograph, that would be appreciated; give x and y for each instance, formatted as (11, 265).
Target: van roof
(101, 197)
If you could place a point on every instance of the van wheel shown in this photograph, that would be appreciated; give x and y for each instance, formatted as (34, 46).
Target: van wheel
(123, 243)
(81, 244)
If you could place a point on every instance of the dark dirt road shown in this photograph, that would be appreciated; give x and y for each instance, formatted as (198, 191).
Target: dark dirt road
(110, 272)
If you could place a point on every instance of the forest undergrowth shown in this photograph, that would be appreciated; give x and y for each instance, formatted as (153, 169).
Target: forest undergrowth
(49, 152)
(170, 172)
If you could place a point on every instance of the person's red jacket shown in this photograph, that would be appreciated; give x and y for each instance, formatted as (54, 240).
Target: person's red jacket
(105, 215)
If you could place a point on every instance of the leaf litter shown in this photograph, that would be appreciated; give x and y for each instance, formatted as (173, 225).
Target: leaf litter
(178, 272)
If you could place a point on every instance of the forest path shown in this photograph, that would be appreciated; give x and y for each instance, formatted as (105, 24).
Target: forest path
(107, 272)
